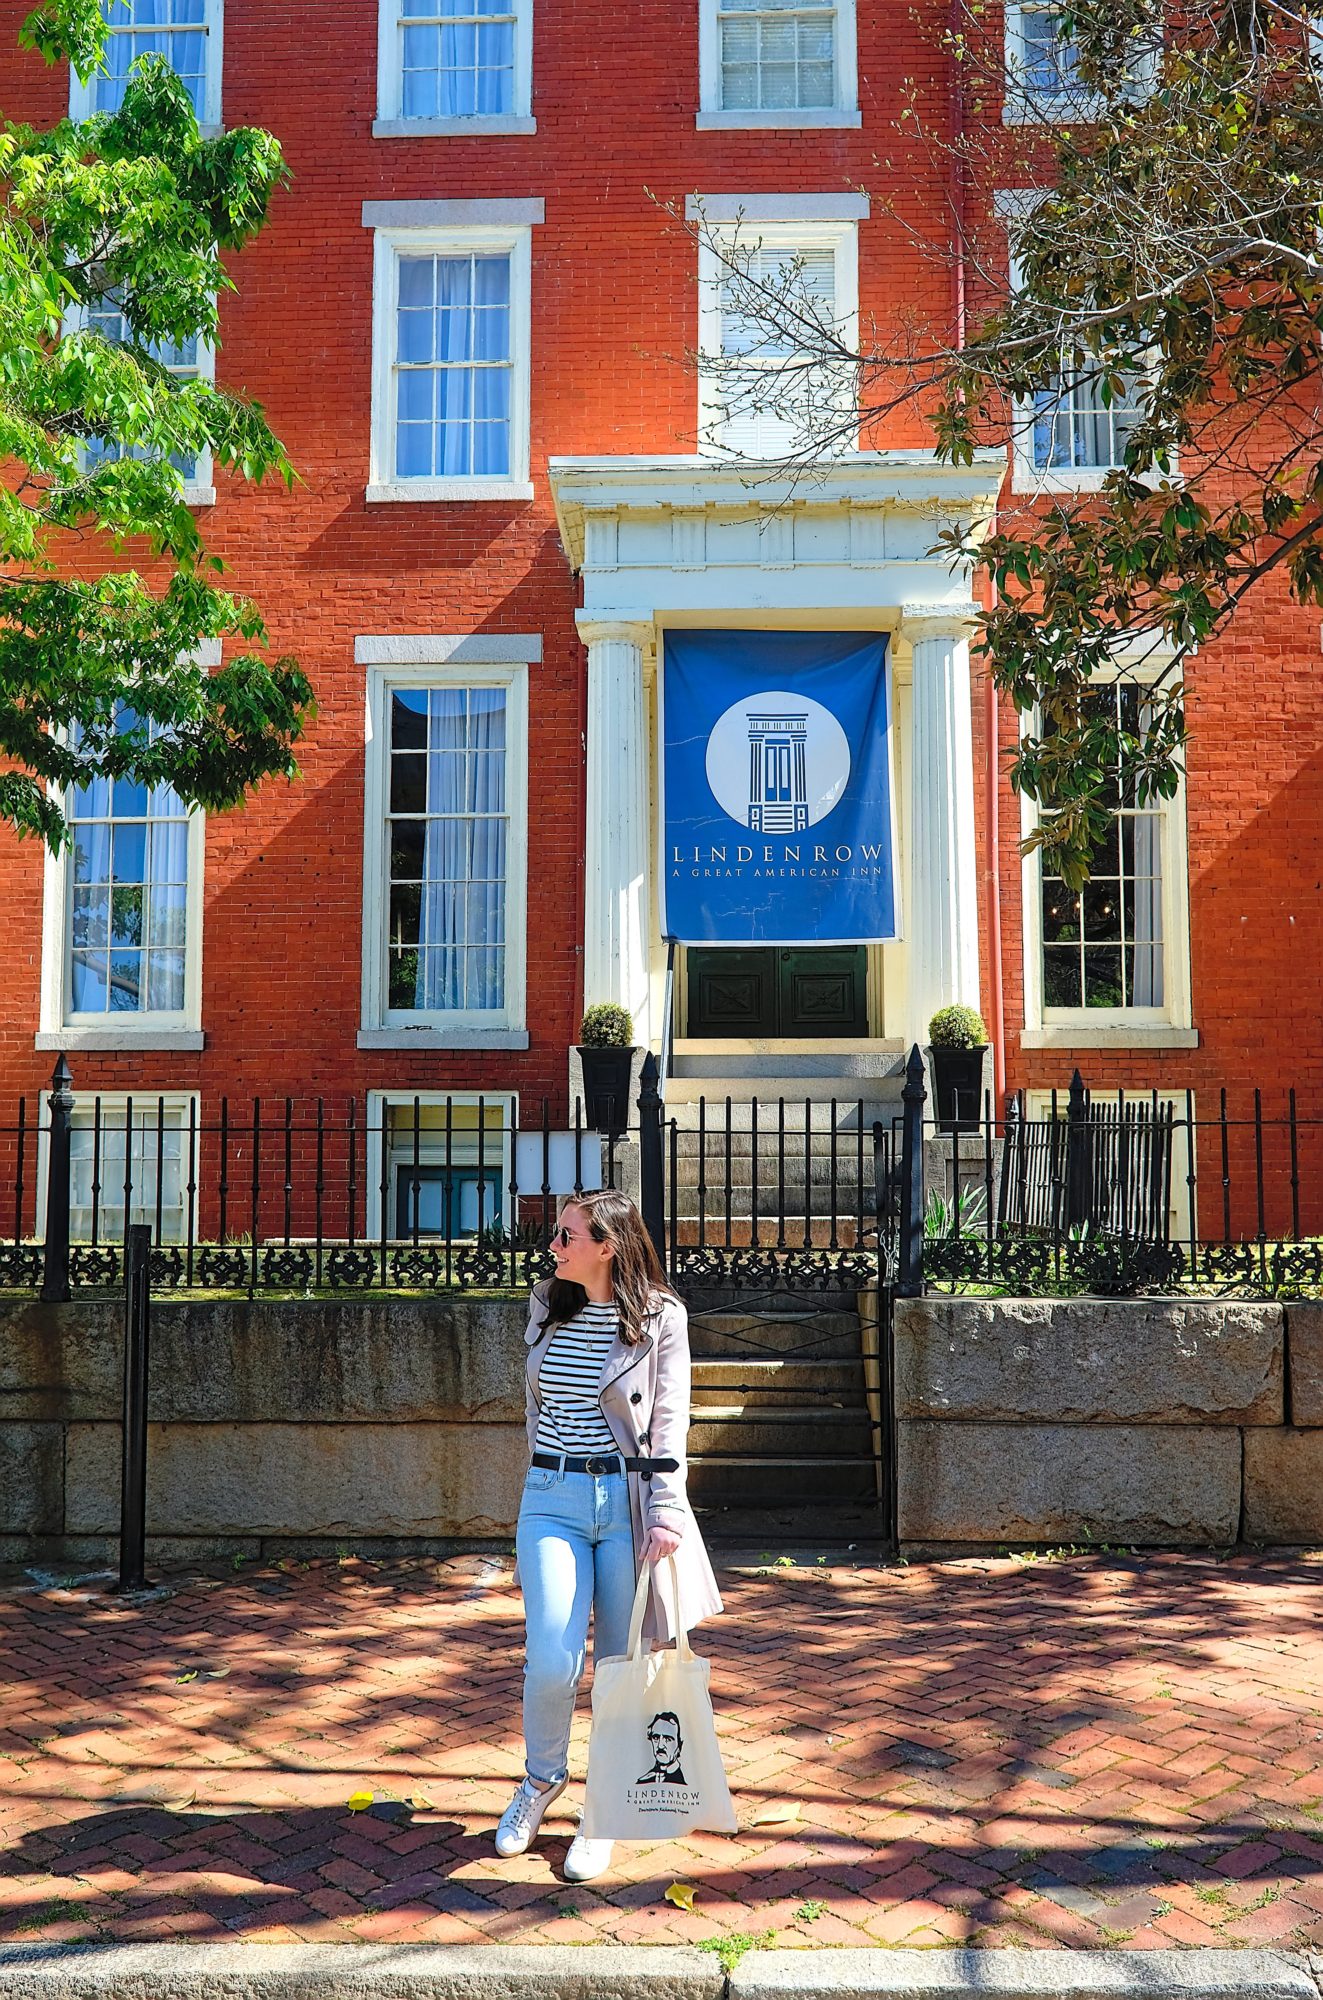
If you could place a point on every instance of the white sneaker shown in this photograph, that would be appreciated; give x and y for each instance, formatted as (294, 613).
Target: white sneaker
(523, 1816)
(587, 1859)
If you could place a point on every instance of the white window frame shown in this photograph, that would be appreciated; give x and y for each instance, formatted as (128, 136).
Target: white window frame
(209, 119)
(1172, 1024)
(843, 114)
(200, 490)
(390, 121)
(392, 242)
(158, 1028)
(176, 1104)
(1023, 106)
(841, 237)
(379, 1102)
(425, 664)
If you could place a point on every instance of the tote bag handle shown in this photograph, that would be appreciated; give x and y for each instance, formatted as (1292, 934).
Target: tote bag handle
(635, 1647)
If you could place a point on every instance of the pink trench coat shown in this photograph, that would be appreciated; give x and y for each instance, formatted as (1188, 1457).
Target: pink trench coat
(646, 1389)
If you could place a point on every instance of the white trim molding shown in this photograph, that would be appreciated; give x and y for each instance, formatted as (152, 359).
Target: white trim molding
(398, 239)
(504, 1027)
(391, 121)
(1138, 657)
(456, 649)
(791, 208)
(843, 112)
(209, 113)
(492, 212)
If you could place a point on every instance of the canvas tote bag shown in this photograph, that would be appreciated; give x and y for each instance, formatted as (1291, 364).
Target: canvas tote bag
(654, 1764)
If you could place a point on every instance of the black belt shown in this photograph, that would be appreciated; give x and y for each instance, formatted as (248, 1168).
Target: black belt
(547, 1461)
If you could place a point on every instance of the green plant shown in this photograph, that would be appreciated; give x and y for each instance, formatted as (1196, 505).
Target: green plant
(967, 1213)
(957, 1028)
(731, 1949)
(607, 1026)
(808, 1913)
(57, 1912)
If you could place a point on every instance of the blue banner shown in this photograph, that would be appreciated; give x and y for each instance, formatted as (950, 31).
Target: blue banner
(777, 824)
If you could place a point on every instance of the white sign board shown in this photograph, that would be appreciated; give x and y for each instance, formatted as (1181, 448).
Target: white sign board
(546, 1160)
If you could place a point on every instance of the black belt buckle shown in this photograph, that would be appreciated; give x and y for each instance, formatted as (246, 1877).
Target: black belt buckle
(600, 1465)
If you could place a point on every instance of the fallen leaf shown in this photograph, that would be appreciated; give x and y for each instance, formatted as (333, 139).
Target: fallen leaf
(359, 1801)
(419, 1802)
(215, 1673)
(776, 1815)
(189, 1674)
(681, 1894)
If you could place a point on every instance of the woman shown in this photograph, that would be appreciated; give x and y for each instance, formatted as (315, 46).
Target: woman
(607, 1400)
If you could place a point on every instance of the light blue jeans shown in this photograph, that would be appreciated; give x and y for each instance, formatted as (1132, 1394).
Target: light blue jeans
(575, 1546)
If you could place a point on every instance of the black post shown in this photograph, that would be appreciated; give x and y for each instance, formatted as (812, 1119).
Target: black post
(652, 1195)
(1077, 1153)
(55, 1272)
(133, 1487)
(913, 1096)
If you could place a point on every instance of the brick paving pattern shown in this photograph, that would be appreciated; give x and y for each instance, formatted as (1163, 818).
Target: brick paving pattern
(1087, 1751)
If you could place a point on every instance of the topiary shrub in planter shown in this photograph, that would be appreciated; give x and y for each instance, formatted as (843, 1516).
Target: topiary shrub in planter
(606, 1050)
(958, 1042)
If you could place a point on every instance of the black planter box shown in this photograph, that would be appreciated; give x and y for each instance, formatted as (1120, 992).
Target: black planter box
(958, 1085)
(606, 1074)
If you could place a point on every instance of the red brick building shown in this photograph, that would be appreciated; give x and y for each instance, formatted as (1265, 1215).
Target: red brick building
(468, 320)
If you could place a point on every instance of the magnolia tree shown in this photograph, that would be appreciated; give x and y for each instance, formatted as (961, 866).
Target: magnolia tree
(123, 219)
(1137, 206)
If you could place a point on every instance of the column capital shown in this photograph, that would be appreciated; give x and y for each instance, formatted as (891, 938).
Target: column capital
(938, 621)
(594, 630)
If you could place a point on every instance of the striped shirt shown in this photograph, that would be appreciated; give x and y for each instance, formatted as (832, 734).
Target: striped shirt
(571, 1419)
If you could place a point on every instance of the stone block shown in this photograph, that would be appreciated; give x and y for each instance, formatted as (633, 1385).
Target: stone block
(304, 1479)
(1089, 1361)
(1015, 1973)
(1284, 1486)
(60, 1362)
(1304, 1346)
(992, 1483)
(31, 1479)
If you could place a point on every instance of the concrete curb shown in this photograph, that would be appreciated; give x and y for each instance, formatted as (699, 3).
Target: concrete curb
(633, 1972)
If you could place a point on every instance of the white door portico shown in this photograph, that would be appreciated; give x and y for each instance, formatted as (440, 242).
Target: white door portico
(685, 541)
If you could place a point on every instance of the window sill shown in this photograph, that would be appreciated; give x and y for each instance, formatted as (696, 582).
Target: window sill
(443, 1038)
(496, 126)
(141, 1037)
(414, 490)
(1117, 1035)
(199, 496)
(774, 121)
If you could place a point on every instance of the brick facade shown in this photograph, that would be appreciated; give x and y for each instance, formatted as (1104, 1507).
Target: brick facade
(613, 313)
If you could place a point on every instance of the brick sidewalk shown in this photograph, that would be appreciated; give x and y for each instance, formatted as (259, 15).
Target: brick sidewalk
(1081, 1751)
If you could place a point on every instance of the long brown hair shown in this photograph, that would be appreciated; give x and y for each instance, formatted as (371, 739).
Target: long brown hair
(636, 1270)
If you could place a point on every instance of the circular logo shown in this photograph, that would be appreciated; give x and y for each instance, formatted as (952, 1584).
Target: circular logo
(777, 762)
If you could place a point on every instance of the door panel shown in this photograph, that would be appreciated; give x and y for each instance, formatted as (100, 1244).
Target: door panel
(778, 990)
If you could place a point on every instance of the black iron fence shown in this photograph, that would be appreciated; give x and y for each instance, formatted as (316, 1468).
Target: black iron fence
(1078, 1191)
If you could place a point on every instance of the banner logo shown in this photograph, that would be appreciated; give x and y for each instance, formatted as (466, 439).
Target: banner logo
(777, 762)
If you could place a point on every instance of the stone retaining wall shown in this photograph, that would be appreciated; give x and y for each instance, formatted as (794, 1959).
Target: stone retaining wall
(272, 1423)
(1133, 1421)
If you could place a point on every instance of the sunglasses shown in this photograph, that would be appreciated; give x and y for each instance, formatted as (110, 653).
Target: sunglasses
(563, 1237)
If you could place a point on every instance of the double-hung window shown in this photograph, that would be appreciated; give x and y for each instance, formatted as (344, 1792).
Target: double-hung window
(453, 66)
(443, 1161)
(1042, 66)
(777, 62)
(1115, 954)
(445, 849)
(186, 32)
(123, 914)
(191, 361)
(775, 297)
(1074, 430)
(451, 362)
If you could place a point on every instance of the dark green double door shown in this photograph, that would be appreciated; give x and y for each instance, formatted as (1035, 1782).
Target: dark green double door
(777, 990)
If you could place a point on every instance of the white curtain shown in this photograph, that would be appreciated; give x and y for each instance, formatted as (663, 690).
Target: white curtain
(1146, 890)
(461, 957)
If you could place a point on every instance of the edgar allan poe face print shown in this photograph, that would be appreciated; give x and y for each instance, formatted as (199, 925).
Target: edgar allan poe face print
(665, 1742)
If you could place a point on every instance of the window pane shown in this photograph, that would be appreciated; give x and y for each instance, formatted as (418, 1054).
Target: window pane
(453, 367)
(777, 55)
(446, 922)
(457, 61)
(174, 29)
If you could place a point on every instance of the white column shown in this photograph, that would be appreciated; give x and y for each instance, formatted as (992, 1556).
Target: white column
(941, 912)
(616, 925)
